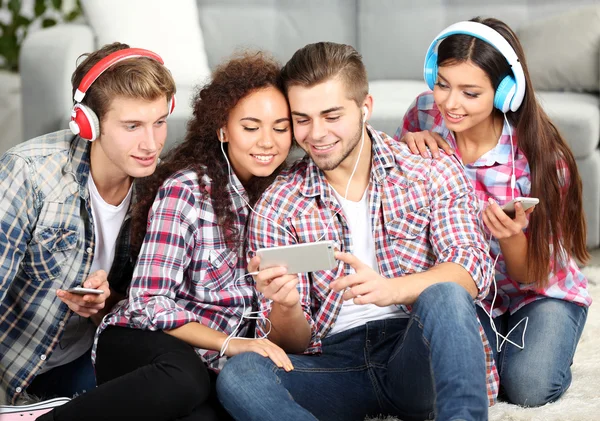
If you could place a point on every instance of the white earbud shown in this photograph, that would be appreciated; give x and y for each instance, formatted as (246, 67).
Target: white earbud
(221, 136)
(365, 114)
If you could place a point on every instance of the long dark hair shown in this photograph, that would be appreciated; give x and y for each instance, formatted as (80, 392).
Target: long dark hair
(201, 149)
(558, 222)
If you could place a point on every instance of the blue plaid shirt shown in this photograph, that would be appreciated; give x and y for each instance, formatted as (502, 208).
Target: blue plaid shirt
(46, 243)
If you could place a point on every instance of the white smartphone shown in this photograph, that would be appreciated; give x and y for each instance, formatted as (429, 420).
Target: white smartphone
(527, 203)
(299, 258)
(83, 291)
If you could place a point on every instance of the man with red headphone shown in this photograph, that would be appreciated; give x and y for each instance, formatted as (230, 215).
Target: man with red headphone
(64, 218)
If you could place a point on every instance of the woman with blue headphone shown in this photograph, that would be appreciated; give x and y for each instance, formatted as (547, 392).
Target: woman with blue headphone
(482, 108)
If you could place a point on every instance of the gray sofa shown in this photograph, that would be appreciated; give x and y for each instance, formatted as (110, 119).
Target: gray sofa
(392, 36)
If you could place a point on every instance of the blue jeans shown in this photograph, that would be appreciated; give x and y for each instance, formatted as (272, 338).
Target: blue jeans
(67, 380)
(430, 365)
(541, 372)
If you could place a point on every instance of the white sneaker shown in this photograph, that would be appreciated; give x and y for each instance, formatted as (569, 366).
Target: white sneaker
(30, 412)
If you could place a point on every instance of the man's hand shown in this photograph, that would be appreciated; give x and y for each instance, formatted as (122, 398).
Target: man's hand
(89, 304)
(366, 286)
(275, 284)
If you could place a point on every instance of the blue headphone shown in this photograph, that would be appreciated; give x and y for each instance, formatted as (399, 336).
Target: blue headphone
(509, 94)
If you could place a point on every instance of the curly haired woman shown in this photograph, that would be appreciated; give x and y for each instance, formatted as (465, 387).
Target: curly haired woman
(158, 352)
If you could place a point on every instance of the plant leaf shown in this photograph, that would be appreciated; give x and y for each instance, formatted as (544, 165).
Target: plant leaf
(9, 48)
(46, 23)
(14, 6)
(73, 14)
(22, 21)
(39, 8)
(57, 4)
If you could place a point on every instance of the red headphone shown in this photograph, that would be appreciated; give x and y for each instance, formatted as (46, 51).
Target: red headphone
(84, 122)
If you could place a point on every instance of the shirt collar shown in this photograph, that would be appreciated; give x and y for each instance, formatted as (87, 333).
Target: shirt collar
(240, 197)
(500, 154)
(80, 163)
(383, 158)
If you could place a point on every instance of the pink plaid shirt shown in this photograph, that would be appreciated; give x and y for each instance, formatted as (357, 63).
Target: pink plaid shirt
(423, 213)
(490, 176)
(185, 272)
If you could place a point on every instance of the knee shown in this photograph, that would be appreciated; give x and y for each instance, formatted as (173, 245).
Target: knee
(186, 379)
(239, 370)
(447, 299)
(532, 390)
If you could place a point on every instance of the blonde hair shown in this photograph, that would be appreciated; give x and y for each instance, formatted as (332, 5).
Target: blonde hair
(138, 77)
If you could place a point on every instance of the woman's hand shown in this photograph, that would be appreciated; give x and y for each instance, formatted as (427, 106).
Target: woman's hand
(503, 226)
(264, 347)
(426, 144)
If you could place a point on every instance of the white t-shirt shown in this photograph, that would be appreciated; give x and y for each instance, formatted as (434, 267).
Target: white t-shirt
(358, 217)
(79, 332)
(107, 224)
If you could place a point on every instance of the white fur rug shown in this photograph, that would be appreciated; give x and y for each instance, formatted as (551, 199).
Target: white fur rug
(582, 401)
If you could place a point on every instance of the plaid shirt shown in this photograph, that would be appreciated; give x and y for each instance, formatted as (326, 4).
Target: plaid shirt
(46, 243)
(185, 271)
(490, 176)
(423, 213)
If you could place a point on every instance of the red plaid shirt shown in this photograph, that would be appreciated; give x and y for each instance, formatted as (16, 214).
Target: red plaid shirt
(185, 272)
(423, 213)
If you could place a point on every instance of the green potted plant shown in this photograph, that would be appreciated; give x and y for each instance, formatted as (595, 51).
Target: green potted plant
(21, 16)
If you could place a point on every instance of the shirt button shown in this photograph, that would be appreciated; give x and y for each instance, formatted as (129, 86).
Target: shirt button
(89, 250)
(18, 390)
(43, 357)
(61, 323)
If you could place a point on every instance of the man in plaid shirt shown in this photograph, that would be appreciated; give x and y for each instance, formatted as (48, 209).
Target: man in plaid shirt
(393, 329)
(64, 203)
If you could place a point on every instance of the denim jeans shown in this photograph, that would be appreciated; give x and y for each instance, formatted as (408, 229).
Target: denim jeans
(541, 372)
(431, 364)
(68, 380)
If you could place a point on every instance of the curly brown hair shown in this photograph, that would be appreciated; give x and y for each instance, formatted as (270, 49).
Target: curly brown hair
(200, 151)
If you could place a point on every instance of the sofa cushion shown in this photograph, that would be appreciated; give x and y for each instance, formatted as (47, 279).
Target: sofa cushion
(167, 28)
(577, 116)
(562, 51)
(391, 99)
(281, 27)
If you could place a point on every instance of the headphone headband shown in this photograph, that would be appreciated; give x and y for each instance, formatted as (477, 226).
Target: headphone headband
(492, 37)
(102, 65)
(84, 122)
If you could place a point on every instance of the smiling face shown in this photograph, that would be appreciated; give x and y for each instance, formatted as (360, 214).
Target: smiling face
(327, 124)
(132, 135)
(258, 133)
(464, 95)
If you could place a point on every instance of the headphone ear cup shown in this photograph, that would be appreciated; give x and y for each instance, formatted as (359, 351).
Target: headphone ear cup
(84, 122)
(431, 70)
(171, 104)
(505, 93)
